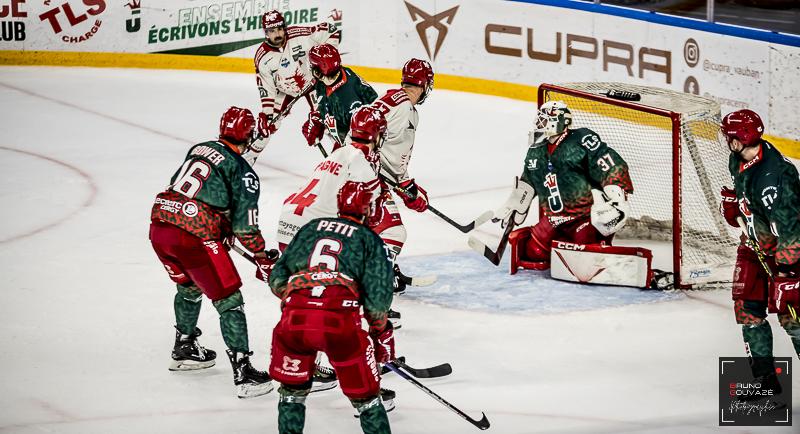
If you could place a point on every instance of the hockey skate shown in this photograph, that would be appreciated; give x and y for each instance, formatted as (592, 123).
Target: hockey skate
(324, 378)
(249, 381)
(394, 318)
(188, 355)
(400, 281)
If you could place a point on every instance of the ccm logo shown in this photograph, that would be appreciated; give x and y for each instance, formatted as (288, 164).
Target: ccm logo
(569, 246)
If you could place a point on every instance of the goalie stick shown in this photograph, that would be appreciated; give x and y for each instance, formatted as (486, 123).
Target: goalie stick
(437, 371)
(494, 256)
(483, 423)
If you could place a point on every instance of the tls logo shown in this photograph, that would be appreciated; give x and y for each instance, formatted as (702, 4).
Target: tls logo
(554, 200)
(532, 163)
(250, 182)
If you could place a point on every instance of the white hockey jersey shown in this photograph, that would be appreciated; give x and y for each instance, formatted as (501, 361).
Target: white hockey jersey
(402, 119)
(317, 198)
(282, 72)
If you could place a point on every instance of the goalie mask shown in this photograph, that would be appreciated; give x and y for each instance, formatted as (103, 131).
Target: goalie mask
(552, 120)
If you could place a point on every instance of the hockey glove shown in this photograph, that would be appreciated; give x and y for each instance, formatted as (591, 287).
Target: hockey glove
(384, 344)
(519, 200)
(785, 293)
(264, 264)
(413, 195)
(313, 128)
(265, 126)
(729, 207)
(610, 209)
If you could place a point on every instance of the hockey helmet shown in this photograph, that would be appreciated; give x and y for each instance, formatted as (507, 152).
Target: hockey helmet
(273, 20)
(237, 125)
(325, 61)
(419, 73)
(355, 200)
(744, 125)
(368, 125)
(552, 119)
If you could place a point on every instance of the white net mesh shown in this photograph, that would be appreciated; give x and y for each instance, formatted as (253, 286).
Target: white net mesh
(644, 140)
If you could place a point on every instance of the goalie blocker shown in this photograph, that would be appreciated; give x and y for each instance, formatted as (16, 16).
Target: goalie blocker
(601, 264)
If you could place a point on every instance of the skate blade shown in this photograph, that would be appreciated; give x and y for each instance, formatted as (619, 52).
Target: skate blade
(319, 387)
(190, 365)
(249, 390)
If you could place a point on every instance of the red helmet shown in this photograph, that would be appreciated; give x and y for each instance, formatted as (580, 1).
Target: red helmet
(237, 125)
(354, 199)
(744, 125)
(272, 19)
(325, 60)
(368, 124)
(419, 73)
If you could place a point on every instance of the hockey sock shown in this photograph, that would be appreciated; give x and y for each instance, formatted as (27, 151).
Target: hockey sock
(233, 322)
(792, 328)
(291, 410)
(187, 308)
(758, 340)
(372, 416)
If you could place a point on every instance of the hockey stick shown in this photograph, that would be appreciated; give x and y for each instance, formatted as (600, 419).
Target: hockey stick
(481, 219)
(244, 254)
(483, 423)
(417, 280)
(494, 256)
(437, 371)
(318, 144)
(762, 259)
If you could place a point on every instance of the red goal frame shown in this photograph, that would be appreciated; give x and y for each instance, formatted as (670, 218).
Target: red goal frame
(675, 120)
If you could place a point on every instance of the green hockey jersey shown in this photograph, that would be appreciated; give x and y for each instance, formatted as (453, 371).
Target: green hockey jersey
(342, 99)
(564, 173)
(212, 195)
(768, 190)
(337, 251)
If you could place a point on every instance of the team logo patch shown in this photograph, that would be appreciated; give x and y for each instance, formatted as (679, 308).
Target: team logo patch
(590, 142)
(768, 196)
(290, 364)
(251, 182)
(190, 209)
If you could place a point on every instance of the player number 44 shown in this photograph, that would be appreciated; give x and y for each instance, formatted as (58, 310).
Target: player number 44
(605, 162)
(304, 198)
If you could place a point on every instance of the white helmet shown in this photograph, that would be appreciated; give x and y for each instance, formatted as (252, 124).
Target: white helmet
(552, 119)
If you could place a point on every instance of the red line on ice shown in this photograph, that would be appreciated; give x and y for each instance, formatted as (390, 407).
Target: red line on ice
(86, 203)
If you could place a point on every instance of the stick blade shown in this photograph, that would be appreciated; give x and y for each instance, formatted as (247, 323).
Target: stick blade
(483, 424)
(424, 280)
(483, 218)
(478, 246)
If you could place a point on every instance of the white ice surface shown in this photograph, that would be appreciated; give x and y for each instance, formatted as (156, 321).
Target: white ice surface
(86, 310)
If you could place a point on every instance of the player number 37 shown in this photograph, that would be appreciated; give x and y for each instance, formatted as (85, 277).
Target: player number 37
(605, 162)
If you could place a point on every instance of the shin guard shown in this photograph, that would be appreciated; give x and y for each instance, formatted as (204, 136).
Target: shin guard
(187, 307)
(232, 322)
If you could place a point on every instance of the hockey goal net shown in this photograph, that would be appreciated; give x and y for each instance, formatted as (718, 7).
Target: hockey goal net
(669, 140)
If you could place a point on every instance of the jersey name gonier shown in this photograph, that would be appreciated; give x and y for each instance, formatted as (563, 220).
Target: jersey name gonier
(336, 227)
(210, 153)
(329, 166)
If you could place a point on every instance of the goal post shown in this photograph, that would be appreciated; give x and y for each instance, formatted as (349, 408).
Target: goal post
(677, 165)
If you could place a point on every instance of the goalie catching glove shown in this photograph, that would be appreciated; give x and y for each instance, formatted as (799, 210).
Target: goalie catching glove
(610, 209)
(518, 201)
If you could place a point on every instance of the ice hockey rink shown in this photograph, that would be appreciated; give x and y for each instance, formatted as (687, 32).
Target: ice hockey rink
(87, 309)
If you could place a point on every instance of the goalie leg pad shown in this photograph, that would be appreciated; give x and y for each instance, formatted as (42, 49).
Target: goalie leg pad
(609, 265)
(530, 247)
(750, 282)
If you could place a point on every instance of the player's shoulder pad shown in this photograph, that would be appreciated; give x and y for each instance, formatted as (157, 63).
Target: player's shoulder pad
(587, 138)
(394, 97)
(262, 51)
(297, 31)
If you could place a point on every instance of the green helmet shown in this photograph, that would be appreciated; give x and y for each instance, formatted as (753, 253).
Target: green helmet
(553, 119)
